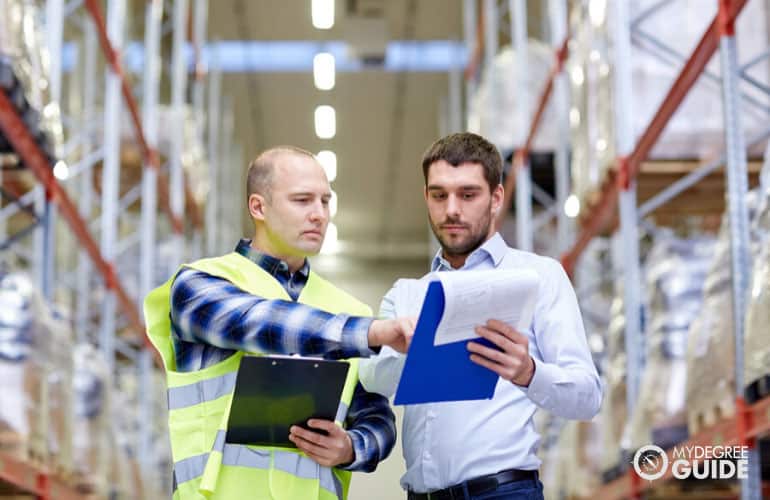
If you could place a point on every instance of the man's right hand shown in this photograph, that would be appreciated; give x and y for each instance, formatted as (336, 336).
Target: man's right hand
(395, 333)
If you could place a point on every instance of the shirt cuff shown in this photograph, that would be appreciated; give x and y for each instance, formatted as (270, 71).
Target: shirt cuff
(355, 335)
(539, 387)
(359, 453)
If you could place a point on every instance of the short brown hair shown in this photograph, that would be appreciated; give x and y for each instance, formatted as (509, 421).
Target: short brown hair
(465, 147)
(260, 177)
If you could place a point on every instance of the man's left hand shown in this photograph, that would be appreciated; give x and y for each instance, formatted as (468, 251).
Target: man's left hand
(513, 361)
(329, 451)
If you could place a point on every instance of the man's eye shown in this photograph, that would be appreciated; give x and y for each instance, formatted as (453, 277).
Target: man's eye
(469, 196)
(438, 196)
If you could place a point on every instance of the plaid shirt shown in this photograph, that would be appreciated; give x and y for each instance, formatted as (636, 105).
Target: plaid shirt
(211, 319)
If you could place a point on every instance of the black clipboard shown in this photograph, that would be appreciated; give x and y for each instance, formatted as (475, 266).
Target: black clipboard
(272, 393)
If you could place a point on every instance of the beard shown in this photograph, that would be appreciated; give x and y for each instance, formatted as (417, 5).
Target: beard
(475, 237)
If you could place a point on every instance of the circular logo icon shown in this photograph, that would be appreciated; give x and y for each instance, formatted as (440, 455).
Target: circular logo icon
(650, 462)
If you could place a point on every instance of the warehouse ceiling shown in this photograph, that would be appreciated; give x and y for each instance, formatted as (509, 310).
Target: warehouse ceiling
(379, 181)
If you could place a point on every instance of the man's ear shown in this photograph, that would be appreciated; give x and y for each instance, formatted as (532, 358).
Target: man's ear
(257, 206)
(497, 199)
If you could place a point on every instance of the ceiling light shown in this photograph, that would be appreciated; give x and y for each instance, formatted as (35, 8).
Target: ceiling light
(577, 76)
(572, 206)
(333, 204)
(574, 117)
(597, 10)
(328, 160)
(322, 12)
(325, 122)
(61, 171)
(331, 242)
(323, 71)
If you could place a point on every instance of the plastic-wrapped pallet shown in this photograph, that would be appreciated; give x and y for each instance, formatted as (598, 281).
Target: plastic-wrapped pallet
(711, 347)
(676, 274)
(757, 339)
(493, 110)
(23, 390)
(57, 350)
(24, 73)
(613, 412)
(91, 440)
(591, 115)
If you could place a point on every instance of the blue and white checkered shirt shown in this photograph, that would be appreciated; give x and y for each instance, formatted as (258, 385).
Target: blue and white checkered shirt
(211, 319)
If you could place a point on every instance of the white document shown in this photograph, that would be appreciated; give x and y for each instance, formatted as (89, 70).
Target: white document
(473, 297)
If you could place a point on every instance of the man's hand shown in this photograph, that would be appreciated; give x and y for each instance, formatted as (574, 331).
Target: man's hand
(514, 362)
(329, 451)
(396, 333)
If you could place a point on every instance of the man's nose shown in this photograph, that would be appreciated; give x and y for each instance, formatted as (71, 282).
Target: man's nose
(318, 213)
(453, 206)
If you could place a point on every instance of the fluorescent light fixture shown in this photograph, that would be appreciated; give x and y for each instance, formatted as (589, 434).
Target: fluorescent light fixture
(323, 71)
(328, 160)
(577, 76)
(601, 145)
(325, 122)
(322, 12)
(331, 243)
(572, 206)
(574, 117)
(333, 204)
(61, 171)
(597, 10)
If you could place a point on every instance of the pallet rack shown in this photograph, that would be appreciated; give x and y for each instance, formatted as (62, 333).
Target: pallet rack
(118, 293)
(616, 196)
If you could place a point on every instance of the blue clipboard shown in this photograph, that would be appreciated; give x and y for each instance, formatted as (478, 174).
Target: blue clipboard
(445, 372)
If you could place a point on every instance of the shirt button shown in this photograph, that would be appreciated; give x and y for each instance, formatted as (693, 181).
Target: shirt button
(427, 455)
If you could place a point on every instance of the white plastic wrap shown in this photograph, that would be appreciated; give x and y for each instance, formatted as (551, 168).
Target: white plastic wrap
(676, 274)
(24, 72)
(493, 110)
(711, 347)
(91, 430)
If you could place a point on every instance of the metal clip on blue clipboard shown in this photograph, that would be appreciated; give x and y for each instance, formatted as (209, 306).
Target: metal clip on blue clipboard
(444, 372)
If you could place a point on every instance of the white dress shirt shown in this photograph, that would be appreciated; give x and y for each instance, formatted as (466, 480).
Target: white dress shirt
(447, 443)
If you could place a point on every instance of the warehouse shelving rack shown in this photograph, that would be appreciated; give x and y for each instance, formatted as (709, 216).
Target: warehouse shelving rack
(618, 190)
(52, 198)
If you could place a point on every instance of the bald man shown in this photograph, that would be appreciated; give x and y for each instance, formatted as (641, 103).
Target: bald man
(264, 299)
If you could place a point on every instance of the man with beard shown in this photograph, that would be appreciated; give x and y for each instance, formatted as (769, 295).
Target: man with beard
(487, 449)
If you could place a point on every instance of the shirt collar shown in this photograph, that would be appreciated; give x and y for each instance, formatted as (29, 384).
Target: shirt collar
(267, 262)
(494, 248)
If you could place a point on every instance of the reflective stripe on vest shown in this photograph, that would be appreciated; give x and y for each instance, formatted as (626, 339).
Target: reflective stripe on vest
(239, 455)
(200, 392)
(342, 412)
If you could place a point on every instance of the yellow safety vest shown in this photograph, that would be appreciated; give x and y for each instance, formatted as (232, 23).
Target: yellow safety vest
(199, 403)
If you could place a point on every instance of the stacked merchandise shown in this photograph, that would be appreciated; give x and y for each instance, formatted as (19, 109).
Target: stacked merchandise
(90, 439)
(658, 53)
(494, 109)
(613, 413)
(676, 274)
(35, 378)
(711, 348)
(23, 391)
(24, 74)
(552, 455)
(757, 342)
(591, 115)
(57, 351)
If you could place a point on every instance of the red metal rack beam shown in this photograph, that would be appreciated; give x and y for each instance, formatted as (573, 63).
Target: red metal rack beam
(693, 68)
(545, 96)
(16, 133)
(727, 432)
(36, 480)
(150, 155)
